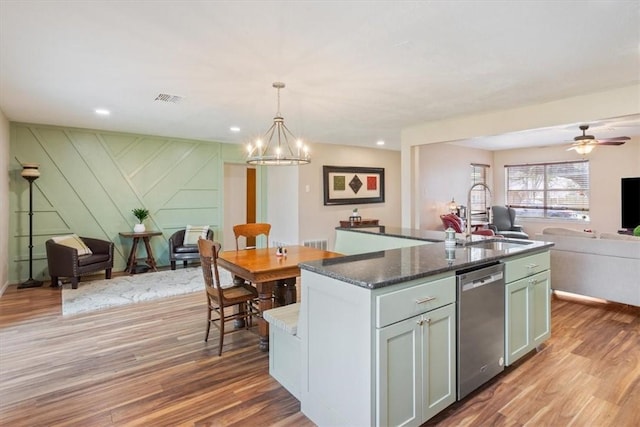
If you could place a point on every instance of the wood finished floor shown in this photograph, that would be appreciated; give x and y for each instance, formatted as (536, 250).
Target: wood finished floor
(147, 365)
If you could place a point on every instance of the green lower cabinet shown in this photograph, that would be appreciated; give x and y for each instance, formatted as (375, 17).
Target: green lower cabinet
(528, 315)
(416, 368)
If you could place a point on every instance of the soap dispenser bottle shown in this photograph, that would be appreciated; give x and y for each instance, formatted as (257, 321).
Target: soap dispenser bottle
(449, 237)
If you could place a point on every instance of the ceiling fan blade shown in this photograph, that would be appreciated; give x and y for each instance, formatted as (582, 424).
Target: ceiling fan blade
(616, 138)
(610, 142)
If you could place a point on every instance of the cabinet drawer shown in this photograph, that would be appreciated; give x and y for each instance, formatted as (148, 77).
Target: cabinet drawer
(523, 267)
(420, 298)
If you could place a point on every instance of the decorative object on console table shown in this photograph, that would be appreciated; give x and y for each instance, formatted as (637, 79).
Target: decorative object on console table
(345, 185)
(30, 172)
(141, 214)
(355, 217)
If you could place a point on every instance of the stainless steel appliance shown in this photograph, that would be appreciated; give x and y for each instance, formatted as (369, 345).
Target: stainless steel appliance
(480, 326)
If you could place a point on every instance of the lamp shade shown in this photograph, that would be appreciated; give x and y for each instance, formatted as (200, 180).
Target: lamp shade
(30, 170)
(453, 206)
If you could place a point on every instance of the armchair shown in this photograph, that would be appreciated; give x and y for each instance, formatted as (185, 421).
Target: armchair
(504, 219)
(64, 261)
(178, 251)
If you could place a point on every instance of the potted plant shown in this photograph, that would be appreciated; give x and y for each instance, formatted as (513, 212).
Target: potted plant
(141, 214)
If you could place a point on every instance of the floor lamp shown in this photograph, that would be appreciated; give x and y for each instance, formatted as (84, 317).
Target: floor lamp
(30, 172)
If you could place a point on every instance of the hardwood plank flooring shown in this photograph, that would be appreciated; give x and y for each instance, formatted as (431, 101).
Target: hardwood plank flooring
(147, 365)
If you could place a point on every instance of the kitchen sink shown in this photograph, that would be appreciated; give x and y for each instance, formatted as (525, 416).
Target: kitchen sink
(499, 244)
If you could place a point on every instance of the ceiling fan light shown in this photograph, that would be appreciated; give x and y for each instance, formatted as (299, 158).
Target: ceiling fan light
(584, 149)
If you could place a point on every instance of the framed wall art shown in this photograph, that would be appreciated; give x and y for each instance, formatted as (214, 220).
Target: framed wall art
(347, 185)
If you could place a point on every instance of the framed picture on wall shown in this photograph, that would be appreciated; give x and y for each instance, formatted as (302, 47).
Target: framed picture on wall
(347, 185)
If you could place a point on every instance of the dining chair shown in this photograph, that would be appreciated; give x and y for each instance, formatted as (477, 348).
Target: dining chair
(285, 290)
(223, 295)
(251, 230)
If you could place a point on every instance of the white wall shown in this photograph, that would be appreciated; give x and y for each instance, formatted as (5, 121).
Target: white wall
(445, 172)
(317, 221)
(282, 203)
(4, 202)
(235, 202)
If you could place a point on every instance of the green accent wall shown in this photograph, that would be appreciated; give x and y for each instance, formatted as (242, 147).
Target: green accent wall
(91, 180)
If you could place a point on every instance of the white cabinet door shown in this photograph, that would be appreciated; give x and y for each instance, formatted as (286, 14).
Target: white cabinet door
(398, 384)
(517, 305)
(541, 312)
(438, 360)
(528, 315)
(416, 368)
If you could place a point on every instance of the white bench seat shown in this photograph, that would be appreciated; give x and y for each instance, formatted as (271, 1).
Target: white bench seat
(285, 363)
(285, 318)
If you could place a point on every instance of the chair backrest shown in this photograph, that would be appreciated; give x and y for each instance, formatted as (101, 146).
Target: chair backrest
(251, 230)
(503, 217)
(209, 262)
(453, 221)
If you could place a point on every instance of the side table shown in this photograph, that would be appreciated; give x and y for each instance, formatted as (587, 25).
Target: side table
(133, 260)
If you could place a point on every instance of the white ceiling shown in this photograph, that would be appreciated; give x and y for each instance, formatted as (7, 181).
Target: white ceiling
(356, 71)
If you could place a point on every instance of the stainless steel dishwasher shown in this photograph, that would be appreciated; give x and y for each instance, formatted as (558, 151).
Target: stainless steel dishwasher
(480, 326)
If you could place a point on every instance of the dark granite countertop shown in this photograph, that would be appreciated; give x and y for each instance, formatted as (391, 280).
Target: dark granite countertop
(384, 268)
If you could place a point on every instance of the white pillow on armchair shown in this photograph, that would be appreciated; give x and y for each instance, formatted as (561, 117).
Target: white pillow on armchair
(193, 233)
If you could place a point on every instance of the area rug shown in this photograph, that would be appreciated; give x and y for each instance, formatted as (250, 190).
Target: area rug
(122, 290)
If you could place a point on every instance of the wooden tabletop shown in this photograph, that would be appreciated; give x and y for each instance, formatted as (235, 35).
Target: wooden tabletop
(261, 265)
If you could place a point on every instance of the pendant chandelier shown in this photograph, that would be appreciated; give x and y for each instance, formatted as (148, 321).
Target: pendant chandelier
(274, 148)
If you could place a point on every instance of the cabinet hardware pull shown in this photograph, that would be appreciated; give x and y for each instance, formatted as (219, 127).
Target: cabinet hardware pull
(532, 266)
(425, 299)
(428, 320)
(533, 281)
(420, 322)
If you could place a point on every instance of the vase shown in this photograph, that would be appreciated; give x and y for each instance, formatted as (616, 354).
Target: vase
(139, 228)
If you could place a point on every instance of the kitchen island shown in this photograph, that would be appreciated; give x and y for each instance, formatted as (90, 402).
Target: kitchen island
(378, 327)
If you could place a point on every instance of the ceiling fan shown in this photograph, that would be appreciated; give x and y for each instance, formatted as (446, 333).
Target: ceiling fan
(584, 143)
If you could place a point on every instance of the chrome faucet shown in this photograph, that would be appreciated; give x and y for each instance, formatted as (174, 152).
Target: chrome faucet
(467, 230)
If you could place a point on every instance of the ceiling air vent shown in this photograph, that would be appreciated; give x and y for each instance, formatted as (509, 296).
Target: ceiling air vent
(169, 98)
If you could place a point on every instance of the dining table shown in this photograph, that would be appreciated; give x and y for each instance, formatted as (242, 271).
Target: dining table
(267, 269)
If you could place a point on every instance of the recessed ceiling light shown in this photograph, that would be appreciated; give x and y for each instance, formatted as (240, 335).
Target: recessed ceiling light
(381, 142)
(102, 112)
(234, 129)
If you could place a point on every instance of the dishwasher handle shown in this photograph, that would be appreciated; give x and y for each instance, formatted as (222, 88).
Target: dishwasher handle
(492, 278)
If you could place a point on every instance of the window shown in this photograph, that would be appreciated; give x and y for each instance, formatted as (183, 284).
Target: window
(479, 195)
(558, 191)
